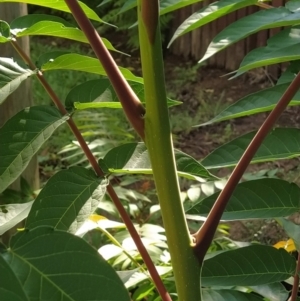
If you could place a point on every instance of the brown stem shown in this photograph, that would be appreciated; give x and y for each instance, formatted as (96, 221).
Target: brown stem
(295, 288)
(132, 106)
(112, 194)
(205, 234)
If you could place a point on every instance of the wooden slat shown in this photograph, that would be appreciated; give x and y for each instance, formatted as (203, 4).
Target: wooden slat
(230, 51)
(241, 45)
(205, 31)
(274, 70)
(221, 56)
(212, 33)
(196, 36)
(195, 44)
(251, 40)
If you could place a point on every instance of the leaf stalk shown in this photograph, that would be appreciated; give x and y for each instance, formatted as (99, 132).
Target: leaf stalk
(132, 106)
(206, 233)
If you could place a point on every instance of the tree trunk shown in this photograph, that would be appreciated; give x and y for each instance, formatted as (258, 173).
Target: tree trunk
(21, 98)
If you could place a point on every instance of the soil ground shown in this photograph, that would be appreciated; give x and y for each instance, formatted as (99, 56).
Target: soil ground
(204, 92)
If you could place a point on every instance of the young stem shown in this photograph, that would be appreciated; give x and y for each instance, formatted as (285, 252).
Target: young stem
(158, 139)
(264, 5)
(132, 106)
(205, 234)
(111, 192)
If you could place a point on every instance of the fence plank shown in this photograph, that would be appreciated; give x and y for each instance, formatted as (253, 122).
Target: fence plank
(221, 56)
(194, 44)
(230, 51)
(274, 70)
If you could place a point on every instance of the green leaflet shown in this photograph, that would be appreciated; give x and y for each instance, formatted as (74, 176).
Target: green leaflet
(22, 136)
(67, 200)
(225, 295)
(99, 93)
(208, 14)
(263, 198)
(282, 47)
(4, 32)
(59, 262)
(48, 25)
(59, 5)
(59, 60)
(271, 18)
(12, 74)
(133, 158)
(12, 214)
(10, 287)
(262, 101)
(231, 268)
(281, 143)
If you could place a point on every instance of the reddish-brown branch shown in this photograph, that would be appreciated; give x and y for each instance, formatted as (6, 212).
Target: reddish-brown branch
(112, 194)
(132, 106)
(295, 289)
(205, 234)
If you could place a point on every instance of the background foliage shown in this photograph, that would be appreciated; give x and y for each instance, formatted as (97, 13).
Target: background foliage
(73, 200)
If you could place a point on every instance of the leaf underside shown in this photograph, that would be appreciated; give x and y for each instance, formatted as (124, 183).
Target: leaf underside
(22, 136)
(67, 200)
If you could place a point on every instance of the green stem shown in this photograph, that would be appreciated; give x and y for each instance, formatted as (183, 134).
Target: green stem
(186, 266)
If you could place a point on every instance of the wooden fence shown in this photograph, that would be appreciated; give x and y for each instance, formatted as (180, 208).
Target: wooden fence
(194, 44)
